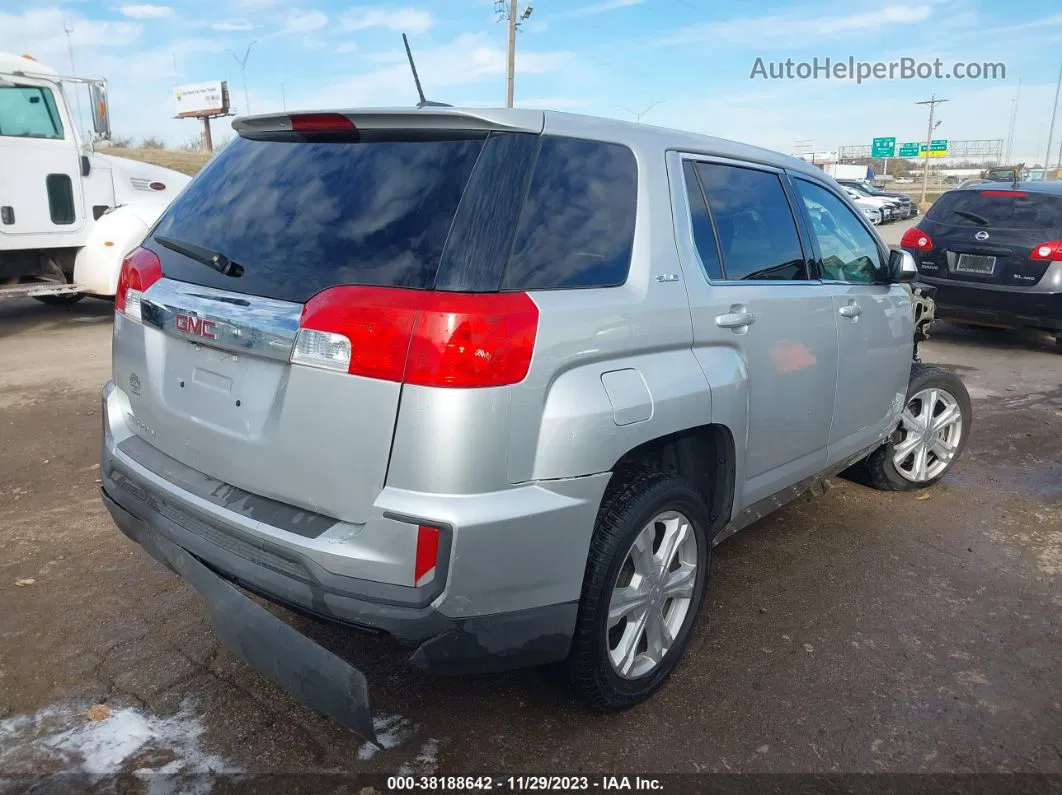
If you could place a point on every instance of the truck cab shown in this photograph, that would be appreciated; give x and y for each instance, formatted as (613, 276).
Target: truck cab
(58, 197)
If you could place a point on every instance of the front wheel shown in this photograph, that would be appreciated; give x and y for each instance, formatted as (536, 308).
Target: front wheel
(932, 433)
(645, 579)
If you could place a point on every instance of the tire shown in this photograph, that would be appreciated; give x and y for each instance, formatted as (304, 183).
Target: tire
(60, 300)
(880, 471)
(633, 499)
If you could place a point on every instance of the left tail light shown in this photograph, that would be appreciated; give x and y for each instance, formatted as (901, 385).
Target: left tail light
(140, 270)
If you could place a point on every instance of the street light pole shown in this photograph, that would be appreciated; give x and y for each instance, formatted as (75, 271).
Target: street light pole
(932, 102)
(243, 73)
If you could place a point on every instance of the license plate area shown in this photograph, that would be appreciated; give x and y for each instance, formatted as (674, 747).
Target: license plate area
(976, 264)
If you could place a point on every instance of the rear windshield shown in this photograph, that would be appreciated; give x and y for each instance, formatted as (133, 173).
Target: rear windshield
(300, 217)
(508, 211)
(975, 208)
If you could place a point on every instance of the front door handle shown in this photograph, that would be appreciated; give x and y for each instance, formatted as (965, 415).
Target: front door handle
(735, 320)
(851, 310)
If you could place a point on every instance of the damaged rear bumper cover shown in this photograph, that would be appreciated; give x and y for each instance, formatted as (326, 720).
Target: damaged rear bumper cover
(318, 678)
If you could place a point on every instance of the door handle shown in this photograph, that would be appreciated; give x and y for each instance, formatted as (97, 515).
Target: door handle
(736, 320)
(851, 310)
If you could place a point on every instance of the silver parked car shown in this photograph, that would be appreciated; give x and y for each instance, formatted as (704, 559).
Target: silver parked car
(495, 381)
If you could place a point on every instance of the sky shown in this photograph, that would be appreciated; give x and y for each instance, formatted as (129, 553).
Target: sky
(680, 63)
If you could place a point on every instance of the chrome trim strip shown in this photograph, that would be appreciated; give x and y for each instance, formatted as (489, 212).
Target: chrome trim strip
(240, 323)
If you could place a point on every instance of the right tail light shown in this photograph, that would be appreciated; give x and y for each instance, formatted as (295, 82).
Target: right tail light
(427, 338)
(1051, 251)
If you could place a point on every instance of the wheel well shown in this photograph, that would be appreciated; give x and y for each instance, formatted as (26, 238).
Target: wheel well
(702, 456)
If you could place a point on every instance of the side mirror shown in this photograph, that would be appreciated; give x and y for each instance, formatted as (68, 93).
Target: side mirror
(101, 112)
(902, 267)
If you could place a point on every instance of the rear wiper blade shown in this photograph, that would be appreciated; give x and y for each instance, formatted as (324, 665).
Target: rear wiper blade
(977, 219)
(212, 259)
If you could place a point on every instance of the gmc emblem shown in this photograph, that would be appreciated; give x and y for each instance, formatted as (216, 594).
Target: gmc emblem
(190, 324)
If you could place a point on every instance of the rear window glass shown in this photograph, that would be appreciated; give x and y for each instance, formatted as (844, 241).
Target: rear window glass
(974, 208)
(300, 217)
(577, 224)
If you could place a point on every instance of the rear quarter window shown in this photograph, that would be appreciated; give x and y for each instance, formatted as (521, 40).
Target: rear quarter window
(577, 224)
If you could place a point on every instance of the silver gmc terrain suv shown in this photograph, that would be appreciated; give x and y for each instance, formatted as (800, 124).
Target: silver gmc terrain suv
(495, 381)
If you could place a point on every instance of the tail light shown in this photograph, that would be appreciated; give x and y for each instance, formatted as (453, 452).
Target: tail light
(1012, 193)
(140, 270)
(419, 337)
(1051, 251)
(917, 239)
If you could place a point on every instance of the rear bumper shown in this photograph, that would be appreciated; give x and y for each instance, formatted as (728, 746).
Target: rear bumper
(496, 607)
(996, 307)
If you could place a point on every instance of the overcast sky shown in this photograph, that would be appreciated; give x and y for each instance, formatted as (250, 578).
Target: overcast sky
(693, 56)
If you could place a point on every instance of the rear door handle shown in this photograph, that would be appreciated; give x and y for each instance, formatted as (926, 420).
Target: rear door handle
(851, 310)
(735, 320)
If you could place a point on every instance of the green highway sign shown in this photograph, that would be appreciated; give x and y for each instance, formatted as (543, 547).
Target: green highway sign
(909, 150)
(938, 145)
(883, 147)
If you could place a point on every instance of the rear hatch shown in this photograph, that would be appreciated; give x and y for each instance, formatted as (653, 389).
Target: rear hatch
(258, 246)
(989, 236)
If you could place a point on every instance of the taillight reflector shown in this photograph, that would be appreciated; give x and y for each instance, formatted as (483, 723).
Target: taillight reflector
(420, 337)
(157, 185)
(427, 553)
(917, 239)
(1051, 251)
(140, 270)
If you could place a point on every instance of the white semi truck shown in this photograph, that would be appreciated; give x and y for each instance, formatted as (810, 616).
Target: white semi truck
(68, 214)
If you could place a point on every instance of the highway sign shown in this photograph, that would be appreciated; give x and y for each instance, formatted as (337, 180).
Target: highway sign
(883, 147)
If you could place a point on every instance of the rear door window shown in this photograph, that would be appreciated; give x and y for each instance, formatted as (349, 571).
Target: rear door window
(577, 224)
(301, 217)
(1001, 209)
(754, 224)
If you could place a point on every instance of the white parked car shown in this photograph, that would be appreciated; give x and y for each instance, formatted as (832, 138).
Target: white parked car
(886, 208)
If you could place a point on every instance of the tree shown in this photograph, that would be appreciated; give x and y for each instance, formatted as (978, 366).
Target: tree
(152, 142)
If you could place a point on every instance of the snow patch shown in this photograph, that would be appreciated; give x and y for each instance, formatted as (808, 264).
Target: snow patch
(424, 762)
(390, 731)
(62, 739)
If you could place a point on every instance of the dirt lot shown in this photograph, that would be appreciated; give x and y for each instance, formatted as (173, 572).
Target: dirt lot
(859, 631)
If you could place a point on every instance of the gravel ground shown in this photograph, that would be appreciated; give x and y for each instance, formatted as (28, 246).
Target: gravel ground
(858, 631)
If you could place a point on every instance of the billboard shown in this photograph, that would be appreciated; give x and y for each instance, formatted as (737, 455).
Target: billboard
(202, 99)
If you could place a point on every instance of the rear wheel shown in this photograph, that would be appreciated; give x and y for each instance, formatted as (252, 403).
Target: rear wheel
(645, 579)
(932, 433)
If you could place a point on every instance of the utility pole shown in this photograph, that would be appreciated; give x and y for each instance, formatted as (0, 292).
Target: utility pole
(1051, 129)
(932, 102)
(1013, 119)
(510, 70)
(506, 9)
(243, 72)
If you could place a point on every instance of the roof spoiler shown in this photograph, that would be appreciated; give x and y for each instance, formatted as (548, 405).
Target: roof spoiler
(429, 117)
